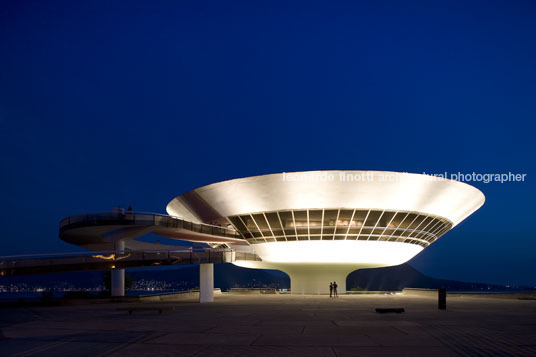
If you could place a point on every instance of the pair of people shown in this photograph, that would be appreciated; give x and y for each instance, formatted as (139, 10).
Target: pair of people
(333, 289)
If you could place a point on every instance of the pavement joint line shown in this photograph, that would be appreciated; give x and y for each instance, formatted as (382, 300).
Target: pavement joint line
(476, 341)
(120, 346)
(255, 340)
(334, 351)
(399, 330)
(200, 350)
(41, 348)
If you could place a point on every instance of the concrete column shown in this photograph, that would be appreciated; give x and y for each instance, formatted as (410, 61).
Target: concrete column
(118, 275)
(206, 282)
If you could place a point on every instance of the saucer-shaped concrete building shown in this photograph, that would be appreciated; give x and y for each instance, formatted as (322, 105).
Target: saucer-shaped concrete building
(319, 226)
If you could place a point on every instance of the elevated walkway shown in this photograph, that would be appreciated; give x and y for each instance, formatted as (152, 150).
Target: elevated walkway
(99, 231)
(109, 260)
(111, 238)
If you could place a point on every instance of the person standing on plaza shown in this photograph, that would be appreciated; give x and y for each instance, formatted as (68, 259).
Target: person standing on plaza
(335, 289)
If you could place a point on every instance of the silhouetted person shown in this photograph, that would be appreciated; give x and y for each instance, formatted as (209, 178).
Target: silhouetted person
(335, 289)
(129, 215)
(330, 289)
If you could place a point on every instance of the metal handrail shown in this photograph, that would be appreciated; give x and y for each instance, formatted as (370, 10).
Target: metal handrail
(127, 213)
(130, 216)
(93, 253)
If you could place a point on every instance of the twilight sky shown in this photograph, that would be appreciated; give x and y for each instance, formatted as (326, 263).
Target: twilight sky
(135, 102)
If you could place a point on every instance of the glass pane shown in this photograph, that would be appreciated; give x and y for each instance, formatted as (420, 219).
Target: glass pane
(445, 229)
(278, 232)
(249, 222)
(409, 218)
(425, 229)
(330, 219)
(417, 222)
(343, 222)
(341, 230)
(273, 220)
(286, 219)
(433, 226)
(262, 224)
(359, 218)
(315, 218)
(288, 223)
(315, 230)
(424, 223)
(372, 218)
(398, 232)
(399, 217)
(438, 228)
(328, 230)
(385, 219)
(345, 217)
(300, 218)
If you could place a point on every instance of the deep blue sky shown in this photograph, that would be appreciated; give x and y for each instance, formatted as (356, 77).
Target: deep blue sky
(132, 103)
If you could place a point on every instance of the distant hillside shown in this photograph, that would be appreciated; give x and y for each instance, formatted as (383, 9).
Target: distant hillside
(396, 278)
(227, 276)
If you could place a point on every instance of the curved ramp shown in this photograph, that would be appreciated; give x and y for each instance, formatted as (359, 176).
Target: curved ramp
(99, 231)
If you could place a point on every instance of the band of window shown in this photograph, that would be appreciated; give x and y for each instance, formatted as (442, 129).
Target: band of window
(341, 224)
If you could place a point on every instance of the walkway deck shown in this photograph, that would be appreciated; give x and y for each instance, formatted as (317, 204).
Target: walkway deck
(21, 265)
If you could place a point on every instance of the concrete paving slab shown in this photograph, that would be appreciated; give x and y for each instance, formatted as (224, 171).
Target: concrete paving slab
(276, 325)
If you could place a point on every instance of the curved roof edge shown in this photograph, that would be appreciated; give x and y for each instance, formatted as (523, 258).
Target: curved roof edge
(453, 200)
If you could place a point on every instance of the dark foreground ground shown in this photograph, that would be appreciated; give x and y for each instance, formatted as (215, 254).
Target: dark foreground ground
(276, 325)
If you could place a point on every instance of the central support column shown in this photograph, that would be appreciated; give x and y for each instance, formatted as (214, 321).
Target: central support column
(315, 278)
(118, 275)
(206, 282)
(316, 281)
(309, 278)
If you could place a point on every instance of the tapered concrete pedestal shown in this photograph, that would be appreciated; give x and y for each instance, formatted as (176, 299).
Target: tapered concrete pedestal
(315, 278)
(309, 278)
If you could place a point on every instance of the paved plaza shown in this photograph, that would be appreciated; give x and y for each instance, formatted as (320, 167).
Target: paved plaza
(276, 325)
